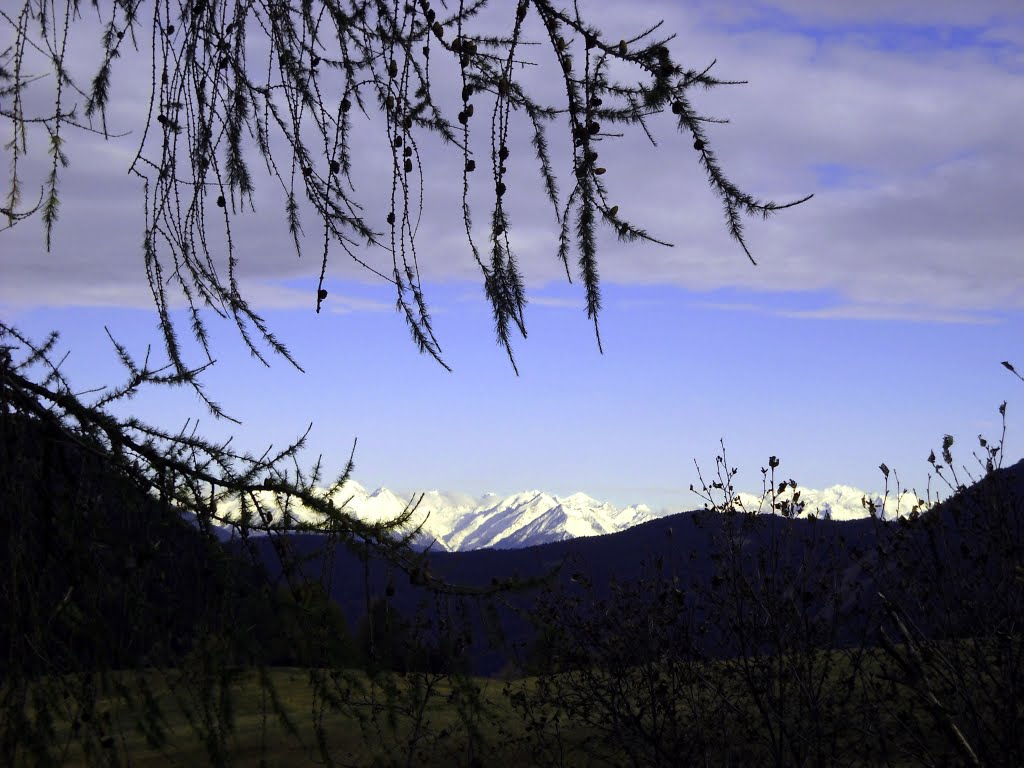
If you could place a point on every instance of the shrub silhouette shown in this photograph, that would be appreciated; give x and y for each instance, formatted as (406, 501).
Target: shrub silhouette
(873, 642)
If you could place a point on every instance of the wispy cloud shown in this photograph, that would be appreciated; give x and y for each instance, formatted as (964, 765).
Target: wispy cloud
(555, 301)
(267, 295)
(880, 312)
(857, 312)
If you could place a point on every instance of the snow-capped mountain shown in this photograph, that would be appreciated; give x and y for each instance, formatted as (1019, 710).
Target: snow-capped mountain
(457, 521)
(839, 502)
(534, 517)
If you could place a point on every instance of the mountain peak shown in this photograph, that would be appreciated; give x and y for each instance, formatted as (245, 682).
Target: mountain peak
(459, 521)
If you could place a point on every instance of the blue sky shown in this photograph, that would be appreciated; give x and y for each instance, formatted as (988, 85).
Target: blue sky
(874, 323)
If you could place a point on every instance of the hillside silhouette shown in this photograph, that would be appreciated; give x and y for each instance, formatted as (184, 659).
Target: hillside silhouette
(936, 560)
(106, 573)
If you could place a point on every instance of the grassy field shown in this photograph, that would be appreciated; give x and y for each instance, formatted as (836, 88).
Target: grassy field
(858, 716)
(364, 732)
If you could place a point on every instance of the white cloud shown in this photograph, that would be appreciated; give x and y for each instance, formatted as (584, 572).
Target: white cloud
(928, 228)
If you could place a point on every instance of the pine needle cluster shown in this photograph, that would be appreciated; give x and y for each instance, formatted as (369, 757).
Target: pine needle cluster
(297, 81)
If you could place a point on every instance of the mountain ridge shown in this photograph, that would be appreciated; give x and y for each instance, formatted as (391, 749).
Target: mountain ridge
(454, 521)
(855, 558)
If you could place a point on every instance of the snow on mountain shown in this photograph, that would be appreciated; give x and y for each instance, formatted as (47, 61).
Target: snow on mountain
(632, 515)
(442, 511)
(839, 502)
(377, 507)
(457, 521)
(499, 520)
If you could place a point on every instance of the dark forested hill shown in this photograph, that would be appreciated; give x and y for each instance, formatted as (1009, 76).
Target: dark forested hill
(937, 554)
(98, 571)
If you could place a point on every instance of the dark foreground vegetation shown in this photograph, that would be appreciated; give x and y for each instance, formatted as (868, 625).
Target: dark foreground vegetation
(701, 714)
(721, 637)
